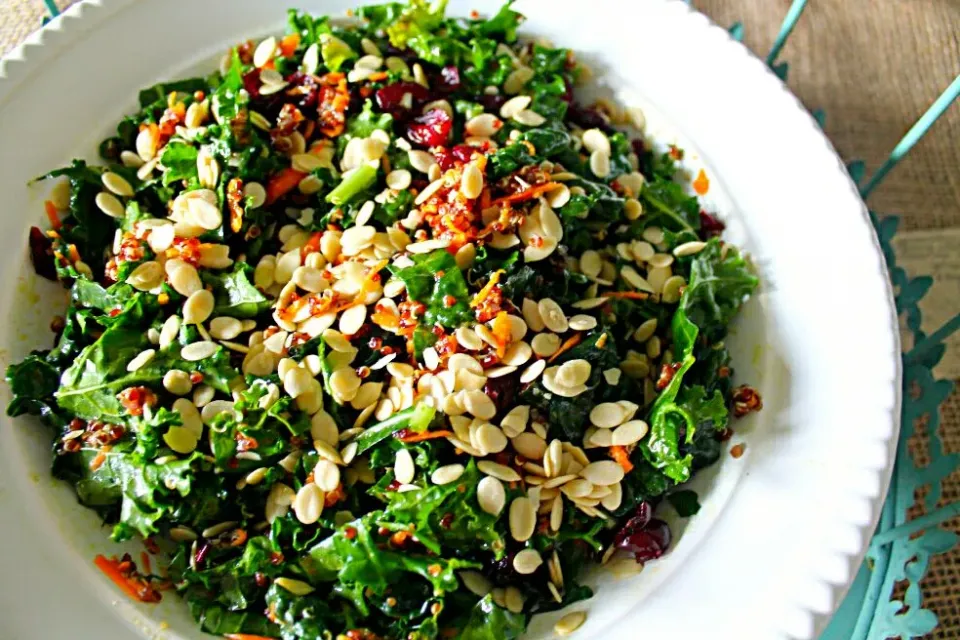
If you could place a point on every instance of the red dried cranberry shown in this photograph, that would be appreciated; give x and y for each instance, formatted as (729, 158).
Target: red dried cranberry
(589, 118)
(41, 253)
(448, 158)
(502, 391)
(390, 97)
(431, 129)
(710, 226)
(202, 553)
(502, 571)
(649, 543)
(448, 80)
(491, 104)
(251, 82)
(463, 153)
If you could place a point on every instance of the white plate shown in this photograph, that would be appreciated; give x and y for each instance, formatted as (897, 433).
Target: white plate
(782, 528)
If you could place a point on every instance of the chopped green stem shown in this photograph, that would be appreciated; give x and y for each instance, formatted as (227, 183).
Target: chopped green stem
(667, 211)
(353, 183)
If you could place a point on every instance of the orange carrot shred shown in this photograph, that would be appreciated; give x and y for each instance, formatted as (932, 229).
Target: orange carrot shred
(52, 215)
(282, 183)
(289, 44)
(98, 461)
(568, 344)
(619, 453)
(111, 570)
(427, 435)
(630, 295)
(487, 288)
(527, 194)
(501, 331)
(145, 562)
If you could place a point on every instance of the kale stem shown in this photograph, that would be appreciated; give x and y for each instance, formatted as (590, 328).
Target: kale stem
(667, 211)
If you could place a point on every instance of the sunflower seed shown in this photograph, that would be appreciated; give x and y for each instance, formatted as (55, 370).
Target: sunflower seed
(523, 519)
(527, 561)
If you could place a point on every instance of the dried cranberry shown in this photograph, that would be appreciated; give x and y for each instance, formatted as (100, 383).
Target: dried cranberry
(502, 391)
(251, 82)
(648, 544)
(463, 153)
(41, 253)
(638, 147)
(390, 97)
(589, 118)
(502, 571)
(201, 554)
(448, 158)
(491, 104)
(448, 80)
(710, 226)
(431, 129)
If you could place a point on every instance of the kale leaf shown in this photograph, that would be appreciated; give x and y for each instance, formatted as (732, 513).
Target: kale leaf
(235, 295)
(435, 280)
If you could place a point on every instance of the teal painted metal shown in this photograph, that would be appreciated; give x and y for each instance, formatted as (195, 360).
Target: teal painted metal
(916, 132)
(786, 28)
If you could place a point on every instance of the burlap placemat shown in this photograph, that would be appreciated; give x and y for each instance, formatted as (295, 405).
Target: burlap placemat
(874, 68)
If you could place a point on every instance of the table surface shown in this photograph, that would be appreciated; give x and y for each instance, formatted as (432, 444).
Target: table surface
(873, 68)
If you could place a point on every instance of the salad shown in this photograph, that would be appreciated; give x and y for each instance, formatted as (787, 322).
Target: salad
(378, 332)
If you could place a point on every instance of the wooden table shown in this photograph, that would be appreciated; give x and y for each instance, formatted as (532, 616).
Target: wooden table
(874, 68)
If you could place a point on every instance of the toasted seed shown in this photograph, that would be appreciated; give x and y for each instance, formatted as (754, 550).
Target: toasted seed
(527, 561)
(177, 382)
(326, 475)
(612, 500)
(645, 330)
(479, 404)
(532, 372)
(198, 307)
(404, 469)
(117, 184)
(517, 79)
(607, 415)
(141, 359)
(485, 124)
(513, 599)
(180, 439)
(447, 474)
(574, 373)
(556, 513)
(600, 163)
(570, 623)
(499, 471)
(582, 322)
(528, 118)
(491, 495)
(523, 518)
(596, 140)
(629, 433)
(308, 504)
(197, 351)
(689, 248)
(514, 105)
(491, 439)
(475, 582)
(603, 472)
(590, 263)
(108, 203)
(471, 182)
(552, 315)
(183, 277)
(545, 344)
(225, 328)
(265, 52)
(428, 192)
(146, 144)
(128, 159)
(421, 160)
(671, 289)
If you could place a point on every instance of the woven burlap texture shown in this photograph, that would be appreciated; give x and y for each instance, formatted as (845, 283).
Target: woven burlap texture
(873, 68)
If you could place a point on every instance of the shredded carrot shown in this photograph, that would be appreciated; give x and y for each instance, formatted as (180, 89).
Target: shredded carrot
(619, 453)
(74, 254)
(52, 215)
(378, 76)
(110, 568)
(527, 194)
(501, 331)
(702, 183)
(568, 344)
(98, 461)
(630, 295)
(312, 245)
(487, 288)
(289, 44)
(484, 199)
(385, 320)
(427, 435)
(282, 183)
(145, 562)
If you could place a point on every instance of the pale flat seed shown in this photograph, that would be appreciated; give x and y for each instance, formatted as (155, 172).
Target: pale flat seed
(645, 330)
(612, 500)
(117, 184)
(532, 372)
(528, 118)
(141, 359)
(596, 140)
(600, 163)
(603, 472)
(491, 439)
(574, 372)
(447, 474)
(196, 351)
(545, 344)
(607, 415)
(527, 561)
(399, 179)
(404, 469)
(523, 519)
(475, 582)
(556, 513)
(308, 504)
(471, 182)
(214, 408)
(552, 315)
(491, 495)
(352, 319)
(225, 328)
(108, 203)
(326, 475)
(689, 248)
(582, 322)
(513, 599)
(198, 307)
(629, 433)
(499, 471)
(570, 623)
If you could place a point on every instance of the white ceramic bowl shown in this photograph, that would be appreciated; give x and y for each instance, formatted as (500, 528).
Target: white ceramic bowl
(782, 529)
